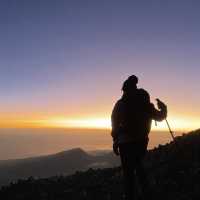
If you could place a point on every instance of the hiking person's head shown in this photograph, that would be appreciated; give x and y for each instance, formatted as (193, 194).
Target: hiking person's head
(130, 84)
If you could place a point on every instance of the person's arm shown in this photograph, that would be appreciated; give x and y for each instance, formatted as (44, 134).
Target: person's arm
(115, 121)
(160, 114)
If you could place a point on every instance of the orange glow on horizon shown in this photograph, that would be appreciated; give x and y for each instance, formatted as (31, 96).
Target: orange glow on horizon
(98, 123)
(176, 123)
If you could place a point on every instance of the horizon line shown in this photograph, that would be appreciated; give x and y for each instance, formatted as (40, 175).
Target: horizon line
(86, 123)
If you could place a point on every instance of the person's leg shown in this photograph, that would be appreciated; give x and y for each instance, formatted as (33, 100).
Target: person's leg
(143, 180)
(141, 173)
(128, 166)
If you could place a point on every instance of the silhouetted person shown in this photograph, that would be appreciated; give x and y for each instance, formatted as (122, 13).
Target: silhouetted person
(131, 123)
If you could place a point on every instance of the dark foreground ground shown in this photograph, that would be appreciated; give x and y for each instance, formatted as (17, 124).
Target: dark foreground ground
(174, 174)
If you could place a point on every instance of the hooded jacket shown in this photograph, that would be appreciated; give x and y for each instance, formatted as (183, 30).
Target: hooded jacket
(132, 116)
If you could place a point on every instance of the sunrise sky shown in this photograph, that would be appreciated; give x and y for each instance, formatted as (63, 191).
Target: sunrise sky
(62, 63)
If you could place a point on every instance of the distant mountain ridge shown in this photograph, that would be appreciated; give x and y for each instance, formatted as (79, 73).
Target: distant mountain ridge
(62, 163)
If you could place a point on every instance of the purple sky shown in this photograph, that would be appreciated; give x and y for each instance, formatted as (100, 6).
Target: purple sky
(70, 57)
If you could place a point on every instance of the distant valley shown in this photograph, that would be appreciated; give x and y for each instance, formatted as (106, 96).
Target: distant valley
(62, 163)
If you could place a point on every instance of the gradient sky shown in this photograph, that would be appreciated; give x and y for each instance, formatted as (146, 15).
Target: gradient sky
(67, 59)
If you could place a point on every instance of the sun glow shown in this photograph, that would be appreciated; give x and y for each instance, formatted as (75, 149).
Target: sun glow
(176, 123)
(99, 123)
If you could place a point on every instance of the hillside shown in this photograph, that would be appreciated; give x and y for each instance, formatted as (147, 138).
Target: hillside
(174, 174)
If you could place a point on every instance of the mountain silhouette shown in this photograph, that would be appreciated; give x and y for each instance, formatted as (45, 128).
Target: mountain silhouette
(62, 163)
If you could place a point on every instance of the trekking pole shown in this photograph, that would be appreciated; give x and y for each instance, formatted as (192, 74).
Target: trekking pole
(170, 130)
(160, 104)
